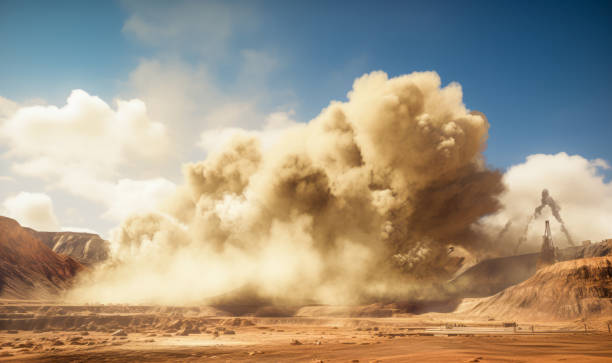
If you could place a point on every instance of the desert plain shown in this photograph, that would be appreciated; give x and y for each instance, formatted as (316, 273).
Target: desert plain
(40, 332)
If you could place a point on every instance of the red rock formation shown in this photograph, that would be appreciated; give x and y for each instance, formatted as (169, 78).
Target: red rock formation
(28, 268)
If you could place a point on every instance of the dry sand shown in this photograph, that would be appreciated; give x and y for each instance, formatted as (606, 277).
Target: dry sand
(42, 332)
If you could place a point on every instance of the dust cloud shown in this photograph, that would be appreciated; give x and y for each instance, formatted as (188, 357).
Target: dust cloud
(360, 204)
(546, 200)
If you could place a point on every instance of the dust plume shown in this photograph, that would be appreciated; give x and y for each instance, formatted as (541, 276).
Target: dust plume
(546, 200)
(523, 236)
(503, 232)
(359, 204)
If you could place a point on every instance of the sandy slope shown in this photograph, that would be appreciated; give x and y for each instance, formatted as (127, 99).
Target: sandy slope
(575, 289)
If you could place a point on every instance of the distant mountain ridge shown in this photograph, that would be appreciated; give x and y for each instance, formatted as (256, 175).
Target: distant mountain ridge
(28, 268)
(87, 248)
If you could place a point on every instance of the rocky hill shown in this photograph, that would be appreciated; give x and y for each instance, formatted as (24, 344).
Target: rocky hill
(87, 248)
(568, 290)
(491, 276)
(28, 268)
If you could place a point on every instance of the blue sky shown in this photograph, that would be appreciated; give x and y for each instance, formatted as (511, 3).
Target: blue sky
(540, 70)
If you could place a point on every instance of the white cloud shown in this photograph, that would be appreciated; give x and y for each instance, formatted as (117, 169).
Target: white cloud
(7, 107)
(85, 135)
(34, 210)
(578, 186)
(187, 93)
(114, 155)
(232, 114)
(187, 96)
(177, 92)
(137, 196)
(276, 124)
(121, 198)
(81, 147)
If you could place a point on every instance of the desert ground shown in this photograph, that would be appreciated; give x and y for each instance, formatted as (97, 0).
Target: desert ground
(42, 332)
(499, 310)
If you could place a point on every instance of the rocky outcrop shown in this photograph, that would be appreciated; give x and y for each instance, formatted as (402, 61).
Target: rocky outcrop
(28, 268)
(491, 276)
(87, 248)
(569, 290)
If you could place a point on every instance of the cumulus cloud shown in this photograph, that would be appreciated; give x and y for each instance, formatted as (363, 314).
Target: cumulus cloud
(122, 197)
(188, 96)
(86, 135)
(189, 93)
(175, 91)
(81, 146)
(361, 203)
(128, 197)
(234, 113)
(577, 185)
(34, 210)
(94, 150)
(276, 124)
(7, 107)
